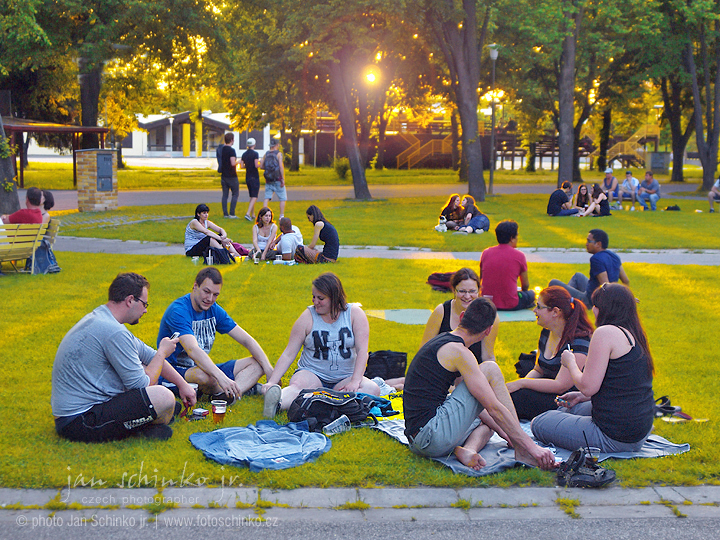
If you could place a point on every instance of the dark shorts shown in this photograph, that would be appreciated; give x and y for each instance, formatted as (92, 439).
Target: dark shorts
(118, 418)
(253, 186)
(329, 385)
(199, 249)
(228, 368)
(716, 196)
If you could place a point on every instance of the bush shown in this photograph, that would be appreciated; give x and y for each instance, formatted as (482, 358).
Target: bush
(341, 166)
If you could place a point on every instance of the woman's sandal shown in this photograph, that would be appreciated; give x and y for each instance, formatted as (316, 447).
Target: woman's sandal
(663, 407)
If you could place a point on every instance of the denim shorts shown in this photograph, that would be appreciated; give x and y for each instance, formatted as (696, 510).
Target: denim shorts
(275, 187)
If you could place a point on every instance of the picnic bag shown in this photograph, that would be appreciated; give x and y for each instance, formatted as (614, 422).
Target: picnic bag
(386, 365)
(219, 255)
(440, 281)
(321, 406)
(271, 167)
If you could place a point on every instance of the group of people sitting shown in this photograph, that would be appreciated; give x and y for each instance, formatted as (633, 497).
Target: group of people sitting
(267, 242)
(462, 217)
(599, 202)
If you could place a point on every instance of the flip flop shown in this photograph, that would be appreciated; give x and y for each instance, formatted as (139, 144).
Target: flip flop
(664, 408)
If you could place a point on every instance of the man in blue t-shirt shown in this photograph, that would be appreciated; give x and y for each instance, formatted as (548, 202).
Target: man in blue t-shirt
(605, 267)
(197, 318)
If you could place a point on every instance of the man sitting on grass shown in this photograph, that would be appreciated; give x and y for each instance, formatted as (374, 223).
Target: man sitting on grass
(288, 241)
(560, 203)
(437, 424)
(197, 317)
(104, 379)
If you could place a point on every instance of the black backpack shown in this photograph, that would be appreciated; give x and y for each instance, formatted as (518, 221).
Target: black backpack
(386, 365)
(320, 406)
(271, 166)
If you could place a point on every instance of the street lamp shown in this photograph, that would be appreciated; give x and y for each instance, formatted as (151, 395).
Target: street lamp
(493, 56)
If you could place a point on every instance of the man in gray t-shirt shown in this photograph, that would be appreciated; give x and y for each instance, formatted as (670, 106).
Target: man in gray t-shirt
(104, 379)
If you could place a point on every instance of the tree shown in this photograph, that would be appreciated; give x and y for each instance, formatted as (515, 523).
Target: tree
(461, 36)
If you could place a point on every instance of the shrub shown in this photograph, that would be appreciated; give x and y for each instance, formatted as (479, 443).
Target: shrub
(341, 166)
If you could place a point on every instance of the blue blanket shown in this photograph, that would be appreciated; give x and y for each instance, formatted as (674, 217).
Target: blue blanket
(265, 445)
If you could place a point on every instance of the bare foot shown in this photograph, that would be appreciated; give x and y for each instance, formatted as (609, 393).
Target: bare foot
(469, 458)
(540, 457)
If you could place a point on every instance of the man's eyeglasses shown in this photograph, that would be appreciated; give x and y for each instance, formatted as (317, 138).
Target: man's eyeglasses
(143, 302)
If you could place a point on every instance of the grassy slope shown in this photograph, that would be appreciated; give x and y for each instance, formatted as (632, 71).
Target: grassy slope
(676, 308)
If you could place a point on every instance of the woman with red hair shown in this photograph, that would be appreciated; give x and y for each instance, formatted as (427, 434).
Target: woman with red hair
(565, 327)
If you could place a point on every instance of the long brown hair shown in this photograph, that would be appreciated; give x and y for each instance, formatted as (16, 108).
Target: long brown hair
(329, 285)
(617, 306)
(577, 323)
(583, 199)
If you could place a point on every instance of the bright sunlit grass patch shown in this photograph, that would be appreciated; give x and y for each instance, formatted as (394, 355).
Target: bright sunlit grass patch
(678, 306)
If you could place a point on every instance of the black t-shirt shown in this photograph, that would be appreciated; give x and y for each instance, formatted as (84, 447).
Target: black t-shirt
(227, 169)
(557, 199)
(249, 157)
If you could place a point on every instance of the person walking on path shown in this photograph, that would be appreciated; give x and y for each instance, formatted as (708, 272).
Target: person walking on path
(250, 161)
(274, 173)
(228, 176)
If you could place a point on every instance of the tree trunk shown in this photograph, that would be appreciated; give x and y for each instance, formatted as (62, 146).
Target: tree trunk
(90, 79)
(604, 138)
(455, 148)
(531, 154)
(382, 128)
(566, 90)
(346, 113)
(295, 142)
(673, 104)
(9, 201)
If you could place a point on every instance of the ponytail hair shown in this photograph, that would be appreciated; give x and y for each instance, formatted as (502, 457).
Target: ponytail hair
(577, 323)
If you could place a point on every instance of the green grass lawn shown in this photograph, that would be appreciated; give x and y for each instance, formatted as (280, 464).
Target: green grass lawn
(48, 175)
(410, 222)
(266, 300)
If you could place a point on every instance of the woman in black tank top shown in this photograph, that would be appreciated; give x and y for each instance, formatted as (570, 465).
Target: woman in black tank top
(446, 317)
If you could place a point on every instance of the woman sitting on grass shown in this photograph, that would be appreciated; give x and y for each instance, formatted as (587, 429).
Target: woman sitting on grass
(614, 408)
(201, 233)
(323, 231)
(333, 336)
(582, 198)
(599, 206)
(474, 221)
(465, 284)
(565, 326)
(264, 232)
(453, 212)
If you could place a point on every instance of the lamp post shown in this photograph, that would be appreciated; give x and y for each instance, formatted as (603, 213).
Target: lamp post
(493, 57)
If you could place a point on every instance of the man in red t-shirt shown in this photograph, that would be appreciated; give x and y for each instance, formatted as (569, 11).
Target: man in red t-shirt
(500, 268)
(32, 213)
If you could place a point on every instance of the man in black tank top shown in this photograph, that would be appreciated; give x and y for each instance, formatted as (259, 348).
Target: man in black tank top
(437, 424)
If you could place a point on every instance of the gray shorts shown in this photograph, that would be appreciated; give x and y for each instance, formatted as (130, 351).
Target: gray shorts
(274, 187)
(452, 424)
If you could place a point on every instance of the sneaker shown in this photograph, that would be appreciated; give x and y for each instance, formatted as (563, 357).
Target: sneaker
(253, 390)
(712, 210)
(272, 401)
(248, 218)
(232, 216)
(222, 396)
(632, 208)
(461, 231)
(160, 432)
(479, 231)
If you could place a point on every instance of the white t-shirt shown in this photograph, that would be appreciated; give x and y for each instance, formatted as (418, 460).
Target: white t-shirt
(630, 185)
(290, 241)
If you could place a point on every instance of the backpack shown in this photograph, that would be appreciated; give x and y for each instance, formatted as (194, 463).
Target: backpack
(219, 255)
(271, 165)
(218, 155)
(440, 281)
(386, 365)
(321, 406)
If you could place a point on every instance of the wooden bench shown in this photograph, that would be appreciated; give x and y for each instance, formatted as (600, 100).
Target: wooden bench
(18, 242)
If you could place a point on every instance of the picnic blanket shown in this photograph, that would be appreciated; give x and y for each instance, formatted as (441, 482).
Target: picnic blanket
(265, 445)
(499, 457)
(421, 316)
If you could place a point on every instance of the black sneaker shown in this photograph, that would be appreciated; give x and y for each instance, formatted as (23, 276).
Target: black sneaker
(253, 391)
(159, 432)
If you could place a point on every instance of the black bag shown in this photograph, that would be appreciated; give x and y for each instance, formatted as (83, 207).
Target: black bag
(581, 471)
(673, 208)
(525, 363)
(440, 281)
(386, 365)
(320, 406)
(271, 166)
(219, 255)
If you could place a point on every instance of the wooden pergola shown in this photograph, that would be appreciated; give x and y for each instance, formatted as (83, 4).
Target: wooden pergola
(21, 125)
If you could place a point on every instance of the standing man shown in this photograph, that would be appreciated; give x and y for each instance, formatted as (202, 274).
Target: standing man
(649, 190)
(560, 203)
(32, 213)
(272, 164)
(500, 268)
(628, 189)
(605, 267)
(105, 380)
(714, 195)
(251, 160)
(437, 424)
(228, 176)
(610, 185)
(197, 317)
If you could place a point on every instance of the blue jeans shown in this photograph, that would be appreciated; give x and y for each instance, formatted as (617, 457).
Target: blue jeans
(577, 287)
(566, 212)
(229, 184)
(643, 198)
